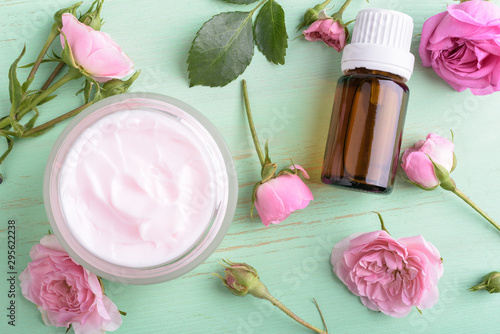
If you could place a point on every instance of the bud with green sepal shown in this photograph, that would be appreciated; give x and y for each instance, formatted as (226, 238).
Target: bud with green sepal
(422, 169)
(71, 10)
(445, 181)
(276, 196)
(92, 17)
(116, 86)
(68, 58)
(311, 14)
(268, 168)
(490, 283)
(242, 279)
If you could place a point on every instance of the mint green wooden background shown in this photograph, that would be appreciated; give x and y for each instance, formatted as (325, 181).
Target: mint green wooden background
(291, 107)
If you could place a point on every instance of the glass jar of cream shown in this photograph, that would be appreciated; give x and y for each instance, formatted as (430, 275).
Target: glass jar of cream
(140, 188)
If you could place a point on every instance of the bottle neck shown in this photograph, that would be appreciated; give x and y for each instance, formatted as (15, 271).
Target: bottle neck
(362, 70)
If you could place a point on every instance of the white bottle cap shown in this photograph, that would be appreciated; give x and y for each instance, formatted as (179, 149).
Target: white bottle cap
(381, 40)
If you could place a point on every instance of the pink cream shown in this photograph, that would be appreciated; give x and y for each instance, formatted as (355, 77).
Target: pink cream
(135, 188)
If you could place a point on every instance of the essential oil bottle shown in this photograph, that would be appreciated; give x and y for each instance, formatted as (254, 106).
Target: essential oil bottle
(364, 140)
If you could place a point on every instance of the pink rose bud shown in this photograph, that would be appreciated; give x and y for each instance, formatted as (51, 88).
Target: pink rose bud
(278, 197)
(94, 53)
(242, 279)
(391, 276)
(311, 14)
(330, 31)
(66, 293)
(417, 163)
(461, 45)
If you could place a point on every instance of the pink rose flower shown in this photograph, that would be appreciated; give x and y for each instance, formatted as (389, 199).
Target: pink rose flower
(277, 198)
(66, 293)
(463, 46)
(329, 31)
(417, 165)
(389, 275)
(95, 51)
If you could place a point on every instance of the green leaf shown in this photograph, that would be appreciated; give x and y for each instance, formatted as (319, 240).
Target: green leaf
(26, 85)
(418, 185)
(87, 90)
(240, 2)
(222, 49)
(67, 54)
(55, 56)
(270, 32)
(15, 90)
(454, 163)
(10, 144)
(268, 172)
(18, 128)
(288, 171)
(254, 196)
(47, 99)
(267, 159)
(43, 61)
(31, 122)
(28, 99)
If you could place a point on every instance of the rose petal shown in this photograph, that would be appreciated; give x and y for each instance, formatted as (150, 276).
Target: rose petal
(109, 63)
(78, 37)
(269, 205)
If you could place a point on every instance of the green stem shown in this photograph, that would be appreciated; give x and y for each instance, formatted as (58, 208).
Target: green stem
(56, 120)
(382, 225)
(71, 75)
(52, 36)
(343, 8)
(252, 126)
(292, 315)
(52, 76)
(475, 207)
(321, 315)
(324, 4)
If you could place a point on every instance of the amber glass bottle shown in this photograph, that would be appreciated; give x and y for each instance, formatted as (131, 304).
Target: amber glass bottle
(364, 140)
(363, 144)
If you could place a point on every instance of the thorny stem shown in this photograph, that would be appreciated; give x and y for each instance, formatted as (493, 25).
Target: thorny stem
(252, 126)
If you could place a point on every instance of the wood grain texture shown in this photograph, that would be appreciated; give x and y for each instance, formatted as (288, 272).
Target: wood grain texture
(291, 106)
